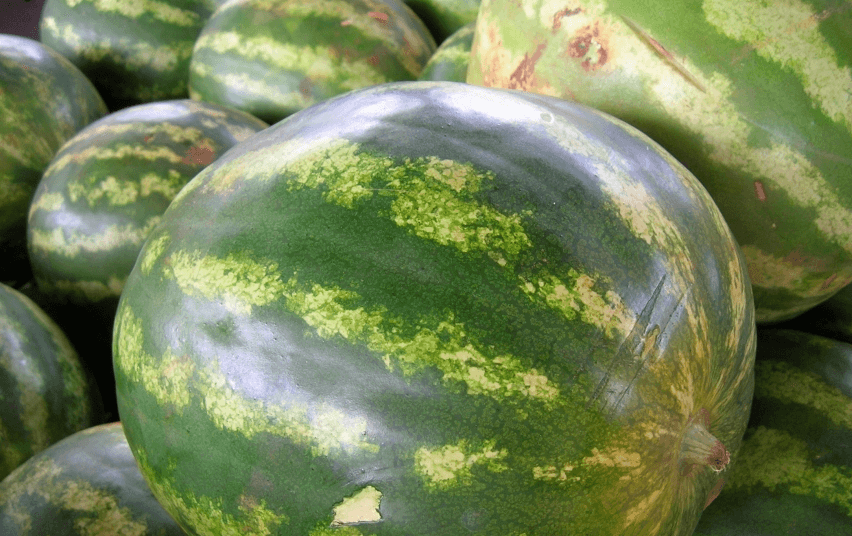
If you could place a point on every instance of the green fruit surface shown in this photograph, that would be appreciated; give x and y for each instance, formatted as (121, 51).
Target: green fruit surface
(754, 97)
(273, 58)
(110, 184)
(450, 60)
(832, 318)
(134, 51)
(460, 310)
(793, 475)
(44, 100)
(45, 394)
(444, 17)
(88, 484)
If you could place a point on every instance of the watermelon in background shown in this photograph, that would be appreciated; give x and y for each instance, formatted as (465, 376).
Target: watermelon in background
(44, 100)
(832, 318)
(431, 308)
(273, 58)
(45, 392)
(444, 17)
(88, 484)
(450, 60)
(134, 51)
(754, 97)
(793, 474)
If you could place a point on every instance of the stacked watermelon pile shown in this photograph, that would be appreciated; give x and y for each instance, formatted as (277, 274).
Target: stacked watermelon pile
(433, 267)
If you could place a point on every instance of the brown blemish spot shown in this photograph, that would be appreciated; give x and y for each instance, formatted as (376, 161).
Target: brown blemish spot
(665, 54)
(305, 88)
(201, 155)
(148, 138)
(589, 46)
(561, 14)
(759, 191)
(379, 16)
(715, 492)
(520, 77)
(797, 258)
(346, 22)
(827, 283)
(374, 60)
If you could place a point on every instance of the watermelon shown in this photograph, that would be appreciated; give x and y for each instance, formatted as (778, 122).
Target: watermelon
(444, 17)
(88, 484)
(133, 51)
(273, 58)
(44, 100)
(460, 310)
(45, 392)
(754, 97)
(450, 60)
(109, 185)
(793, 475)
(832, 318)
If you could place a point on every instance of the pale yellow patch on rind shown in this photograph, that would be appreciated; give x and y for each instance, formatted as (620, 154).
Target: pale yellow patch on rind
(161, 11)
(450, 465)
(361, 507)
(60, 241)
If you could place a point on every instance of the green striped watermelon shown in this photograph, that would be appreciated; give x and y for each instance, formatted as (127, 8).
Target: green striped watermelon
(88, 484)
(754, 97)
(273, 58)
(444, 17)
(45, 394)
(793, 476)
(110, 184)
(450, 60)
(134, 51)
(459, 310)
(44, 100)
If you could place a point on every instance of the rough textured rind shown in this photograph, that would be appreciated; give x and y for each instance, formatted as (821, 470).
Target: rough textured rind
(794, 471)
(274, 58)
(107, 187)
(88, 484)
(450, 60)
(445, 314)
(134, 52)
(45, 394)
(44, 100)
(753, 97)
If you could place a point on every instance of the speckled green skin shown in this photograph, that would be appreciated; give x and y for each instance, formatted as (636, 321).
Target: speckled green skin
(134, 52)
(88, 484)
(460, 310)
(45, 393)
(444, 17)
(44, 100)
(754, 97)
(273, 58)
(110, 184)
(450, 61)
(794, 472)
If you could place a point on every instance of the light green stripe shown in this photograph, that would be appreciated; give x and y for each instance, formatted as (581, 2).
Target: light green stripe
(450, 466)
(787, 33)
(116, 152)
(162, 11)
(60, 241)
(772, 458)
(786, 383)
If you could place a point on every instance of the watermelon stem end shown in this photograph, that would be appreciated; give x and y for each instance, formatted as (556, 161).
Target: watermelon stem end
(700, 447)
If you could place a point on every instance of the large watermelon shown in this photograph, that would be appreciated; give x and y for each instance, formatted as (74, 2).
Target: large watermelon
(793, 476)
(88, 484)
(44, 100)
(459, 310)
(45, 393)
(753, 96)
(134, 51)
(273, 58)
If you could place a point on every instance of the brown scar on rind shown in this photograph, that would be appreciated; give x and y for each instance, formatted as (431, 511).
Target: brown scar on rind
(561, 14)
(665, 54)
(201, 155)
(520, 77)
(759, 191)
(579, 47)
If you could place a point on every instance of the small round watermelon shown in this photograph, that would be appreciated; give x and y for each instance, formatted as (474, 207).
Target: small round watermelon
(451, 59)
(134, 51)
(88, 484)
(45, 392)
(274, 58)
(44, 100)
